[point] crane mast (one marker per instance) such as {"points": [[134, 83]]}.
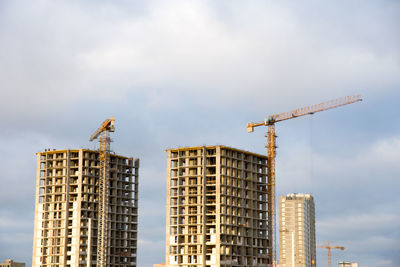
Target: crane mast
{"points": [[271, 154], [104, 158], [329, 247], [270, 121]]}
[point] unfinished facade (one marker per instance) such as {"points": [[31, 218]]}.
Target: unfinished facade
{"points": [[216, 207], [66, 209], [297, 231], [11, 263]]}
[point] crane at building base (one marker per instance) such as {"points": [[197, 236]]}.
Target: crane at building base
{"points": [[329, 247], [104, 158], [270, 121]]}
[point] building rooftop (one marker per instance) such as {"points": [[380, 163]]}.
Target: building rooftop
{"points": [[214, 146], [54, 151], [296, 195]]}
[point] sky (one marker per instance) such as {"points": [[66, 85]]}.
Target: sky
{"points": [[185, 73]]}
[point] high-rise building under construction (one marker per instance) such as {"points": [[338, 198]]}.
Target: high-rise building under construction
{"points": [[66, 211], [297, 230], [216, 207]]}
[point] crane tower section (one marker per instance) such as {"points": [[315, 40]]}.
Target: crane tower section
{"points": [[104, 158]]}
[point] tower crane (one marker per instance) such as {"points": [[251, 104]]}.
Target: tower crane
{"points": [[329, 247], [270, 121], [104, 157]]}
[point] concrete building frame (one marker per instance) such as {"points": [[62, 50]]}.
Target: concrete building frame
{"points": [[66, 209], [216, 212]]}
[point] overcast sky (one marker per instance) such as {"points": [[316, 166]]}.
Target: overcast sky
{"points": [[184, 73]]}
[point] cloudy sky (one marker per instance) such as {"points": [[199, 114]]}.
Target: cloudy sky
{"points": [[182, 73]]}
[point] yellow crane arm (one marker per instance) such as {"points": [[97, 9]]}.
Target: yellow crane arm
{"points": [[304, 111], [341, 248], [331, 247], [107, 125]]}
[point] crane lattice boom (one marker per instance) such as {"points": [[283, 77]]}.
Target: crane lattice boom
{"points": [[107, 125], [269, 120], [104, 158], [271, 155]]}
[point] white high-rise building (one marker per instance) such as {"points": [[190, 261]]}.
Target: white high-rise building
{"points": [[297, 231]]}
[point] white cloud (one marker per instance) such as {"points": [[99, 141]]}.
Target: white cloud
{"points": [[15, 238], [386, 152], [149, 243], [250, 53], [384, 263], [379, 158], [360, 223], [10, 223]]}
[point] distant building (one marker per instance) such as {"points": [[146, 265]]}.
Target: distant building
{"points": [[159, 265], [67, 205], [216, 207], [348, 264], [11, 263], [297, 230]]}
